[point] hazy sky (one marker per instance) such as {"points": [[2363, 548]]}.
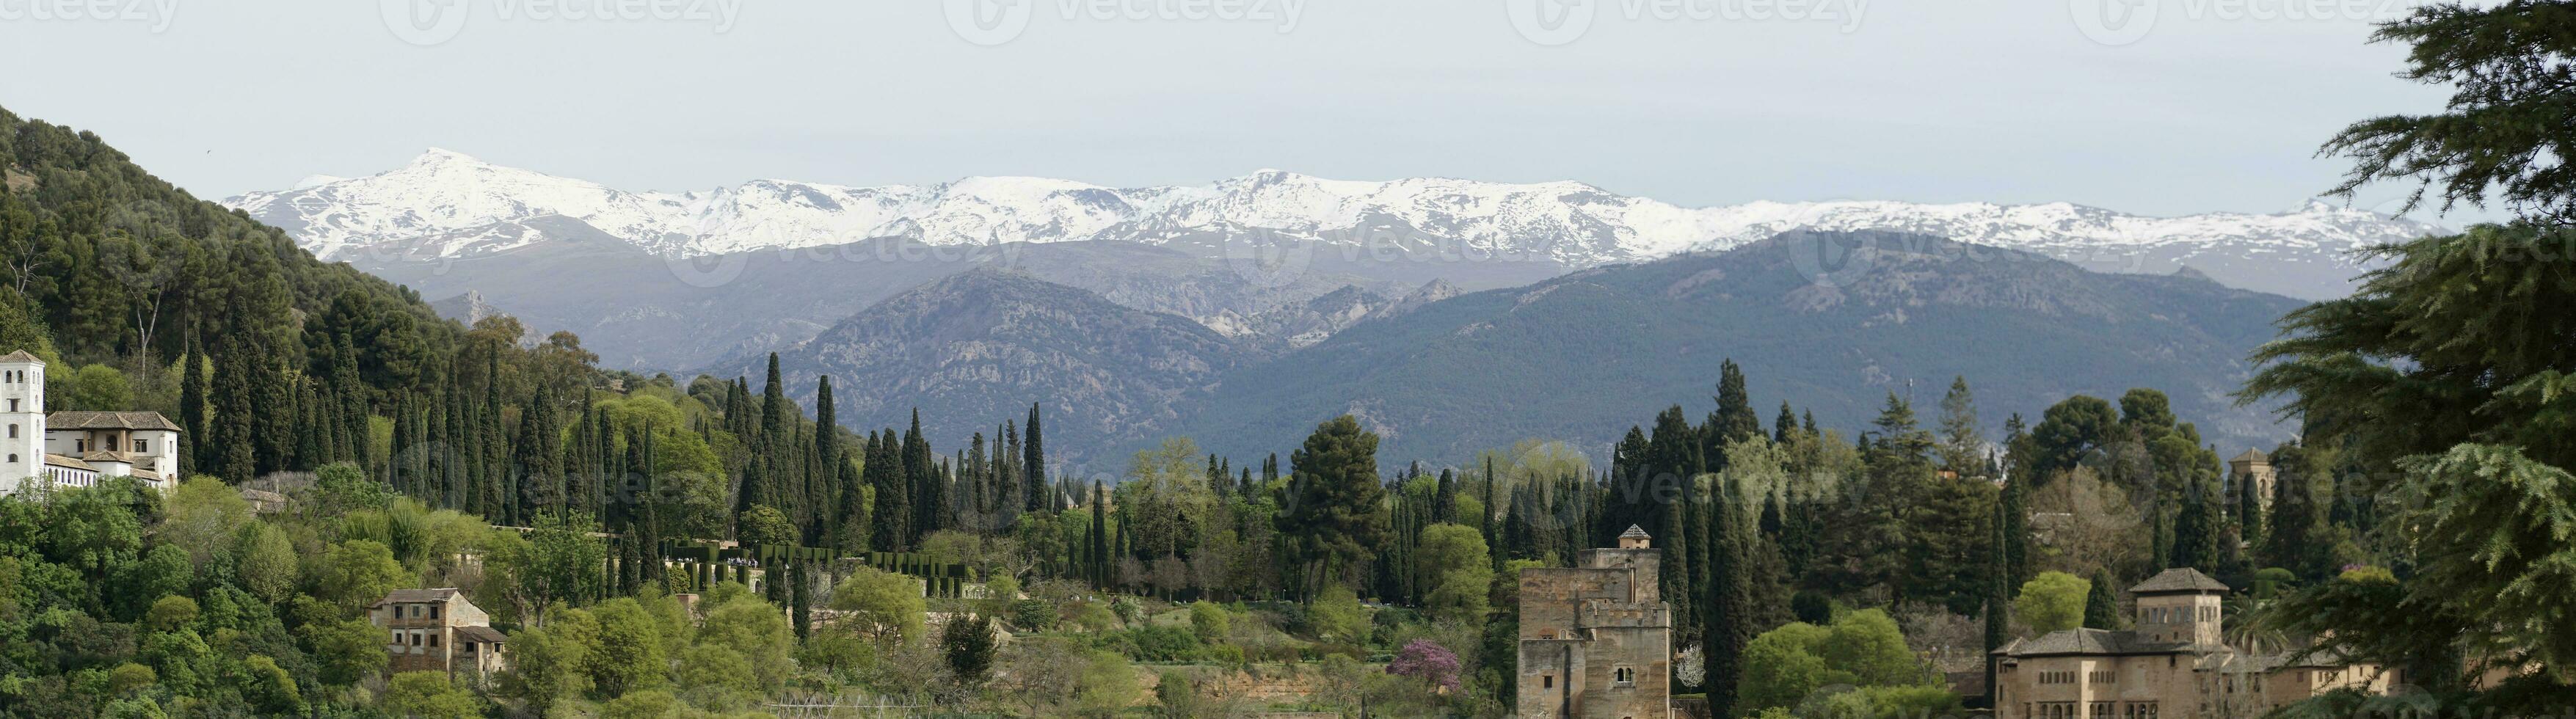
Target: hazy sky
{"points": [[2190, 106]]}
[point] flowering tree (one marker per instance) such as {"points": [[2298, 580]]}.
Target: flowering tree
{"points": [[1427, 661]]}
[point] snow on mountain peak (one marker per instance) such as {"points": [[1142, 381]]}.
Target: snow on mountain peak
{"points": [[452, 201]]}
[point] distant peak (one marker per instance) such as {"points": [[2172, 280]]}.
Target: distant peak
{"points": [[442, 156]]}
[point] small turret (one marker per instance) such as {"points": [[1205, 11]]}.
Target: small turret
{"points": [[1635, 538]]}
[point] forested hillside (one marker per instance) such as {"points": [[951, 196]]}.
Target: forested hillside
{"points": [[1573, 357]]}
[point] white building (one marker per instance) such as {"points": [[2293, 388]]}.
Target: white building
{"points": [[76, 448]]}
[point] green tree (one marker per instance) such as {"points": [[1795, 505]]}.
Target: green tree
{"points": [[426, 695], [2101, 607], [630, 653], [1209, 621], [355, 573], [757, 632], [881, 606], [1338, 616], [345, 651], [1453, 559], [2052, 601], [967, 642], [100, 388], [547, 663], [1339, 516], [2068, 432]]}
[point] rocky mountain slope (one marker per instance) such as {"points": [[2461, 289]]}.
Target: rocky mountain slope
{"points": [[448, 205]]}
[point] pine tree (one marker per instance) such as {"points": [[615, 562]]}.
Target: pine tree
{"points": [[1784, 424], [1734, 420], [1962, 448]]}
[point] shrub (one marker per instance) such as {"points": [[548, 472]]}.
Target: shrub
{"points": [[1034, 615], [1164, 644]]}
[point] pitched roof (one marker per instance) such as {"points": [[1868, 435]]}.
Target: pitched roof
{"points": [[1634, 532], [2252, 455], [109, 420], [472, 633], [2087, 641], [20, 356], [2183, 580], [415, 595], [71, 462]]}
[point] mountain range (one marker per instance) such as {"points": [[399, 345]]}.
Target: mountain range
{"points": [[1579, 357], [1449, 315], [445, 205]]}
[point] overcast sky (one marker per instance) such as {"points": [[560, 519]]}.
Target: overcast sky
{"points": [[2189, 106]]}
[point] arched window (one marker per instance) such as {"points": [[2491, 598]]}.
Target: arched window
{"points": [[13, 459]]}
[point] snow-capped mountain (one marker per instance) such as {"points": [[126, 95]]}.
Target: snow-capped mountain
{"points": [[447, 205]]}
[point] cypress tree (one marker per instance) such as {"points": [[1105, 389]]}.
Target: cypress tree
{"points": [[353, 401], [1100, 561], [1033, 462], [802, 612], [534, 457], [494, 485], [2101, 606], [192, 409], [2015, 505], [1725, 627], [1782, 425], [229, 442], [1998, 598], [930, 502], [824, 487]]}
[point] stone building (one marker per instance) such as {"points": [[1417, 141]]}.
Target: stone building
{"points": [[2253, 470], [2175, 662], [437, 630], [1597, 638]]}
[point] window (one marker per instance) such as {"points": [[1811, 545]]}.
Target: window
{"points": [[13, 405], [80, 445], [433, 611], [13, 431], [13, 459], [1624, 676], [139, 447], [433, 640], [1547, 681], [397, 637]]}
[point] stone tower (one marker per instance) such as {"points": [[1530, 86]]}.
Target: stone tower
{"points": [[1596, 638], [22, 419], [2179, 606], [2253, 470]]}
